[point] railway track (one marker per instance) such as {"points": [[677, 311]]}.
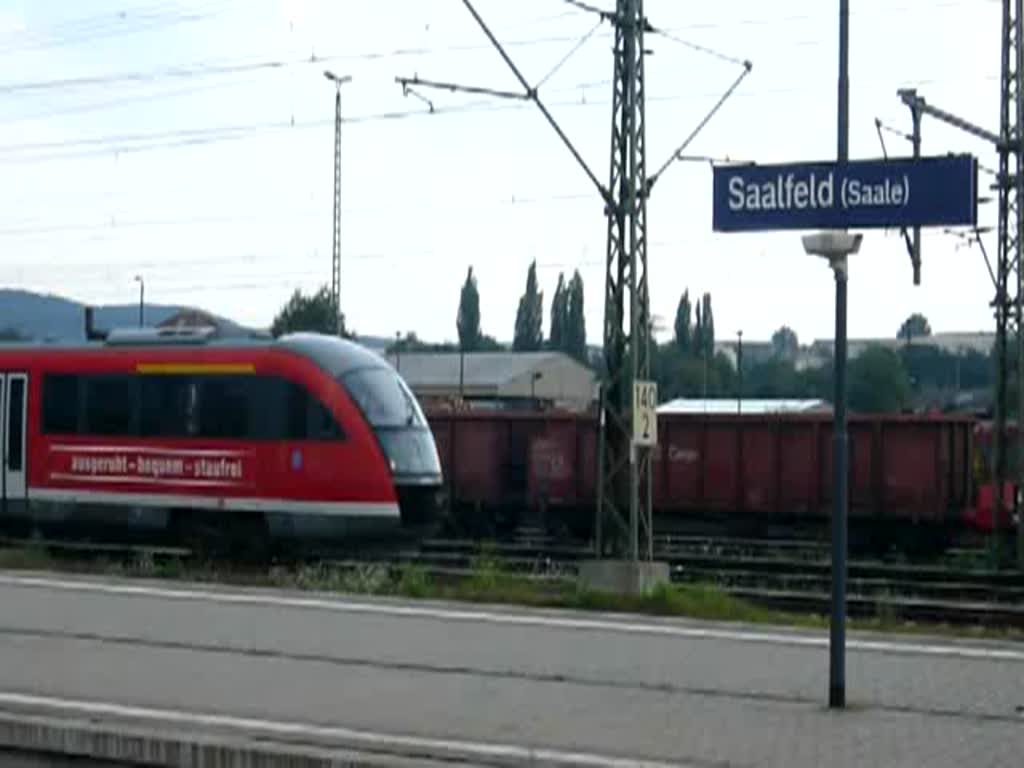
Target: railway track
{"points": [[790, 575]]}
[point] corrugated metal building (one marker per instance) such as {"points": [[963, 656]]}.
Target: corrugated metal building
{"points": [[222, 327], [751, 406], [499, 378]]}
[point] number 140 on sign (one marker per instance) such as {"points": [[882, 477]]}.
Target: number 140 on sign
{"points": [[645, 414]]}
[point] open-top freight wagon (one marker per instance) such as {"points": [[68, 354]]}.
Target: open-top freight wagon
{"points": [[910, 476]]}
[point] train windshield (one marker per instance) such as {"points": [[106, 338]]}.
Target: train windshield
{"points": [[397, 420], [384, 398]]}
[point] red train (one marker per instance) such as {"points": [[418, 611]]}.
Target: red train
{"points": [[907, 473], [243, 441]]}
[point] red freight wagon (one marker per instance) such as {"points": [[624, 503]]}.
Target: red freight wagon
{"points": [[903, 469]]}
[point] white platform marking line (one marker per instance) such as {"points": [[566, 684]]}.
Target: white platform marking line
{"points": [[254, 726], [512, 619]]}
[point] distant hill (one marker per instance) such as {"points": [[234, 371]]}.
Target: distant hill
{"points": [[55, 318]]}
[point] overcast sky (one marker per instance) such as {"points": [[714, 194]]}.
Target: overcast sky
{"points": [[216, 185]]}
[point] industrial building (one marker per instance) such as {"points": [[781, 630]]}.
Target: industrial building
{"points": [[725, 405], [222, 327], [550, 380]]}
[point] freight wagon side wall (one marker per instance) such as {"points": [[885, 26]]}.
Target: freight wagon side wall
{"points": [[901, 468], [773, 466]]}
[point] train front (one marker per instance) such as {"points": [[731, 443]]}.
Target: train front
{"points": [[391, 411], [405, 437]]}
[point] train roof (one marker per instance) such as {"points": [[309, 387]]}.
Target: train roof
{"points": [[336, 356]]}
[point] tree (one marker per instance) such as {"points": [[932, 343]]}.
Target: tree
{"points": [[468, 319], [915, 326], [529, 334], [878, 381], [680, 375], [12, 334], [559, 316], [576, 323], [412, 343], [773, 378], [697, 338], [708, 327], [785, 344], [683, 337], [314, 314]]}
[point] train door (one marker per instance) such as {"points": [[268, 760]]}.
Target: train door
{"points": [[13, 419]]}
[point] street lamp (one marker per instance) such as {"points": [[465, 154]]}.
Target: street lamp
{"points": [[336, 223], [534, 378], [142, 297], [836, 246]]}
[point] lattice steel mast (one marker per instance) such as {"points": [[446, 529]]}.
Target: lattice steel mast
{"points": [[624, 485], [1008, 277], [1011, 236], [336, 234], [624, 474]]}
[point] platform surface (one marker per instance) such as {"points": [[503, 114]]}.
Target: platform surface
{"points": [[494, 683]]}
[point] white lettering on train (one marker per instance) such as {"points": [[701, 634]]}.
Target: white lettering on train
{"points": [[126, 465]]}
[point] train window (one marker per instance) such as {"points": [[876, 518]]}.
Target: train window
{"points": [[110, 405], [295, 409], [169, 406], [226, 403], [322, 424], [383, 398], [60, 403], [15, 424], [307, 417]]}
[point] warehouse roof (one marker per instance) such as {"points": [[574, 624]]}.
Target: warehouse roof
{"points": [[729, 405], [480, 369]]}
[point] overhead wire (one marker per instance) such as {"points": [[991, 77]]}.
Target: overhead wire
{"points": [[213, 68], [186, 137], [29, 228], [90, 29]]}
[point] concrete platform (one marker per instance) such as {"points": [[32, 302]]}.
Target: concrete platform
{"points": [[28, 740], [219, 676]]}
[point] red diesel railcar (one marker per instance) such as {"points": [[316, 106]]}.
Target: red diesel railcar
{"points": [[306, 435], [754, 468]]}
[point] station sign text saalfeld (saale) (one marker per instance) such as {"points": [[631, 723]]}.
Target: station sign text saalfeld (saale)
{"points": [[927, 192]]}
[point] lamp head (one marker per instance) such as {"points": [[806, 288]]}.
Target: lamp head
{"points": [[832, 244]]}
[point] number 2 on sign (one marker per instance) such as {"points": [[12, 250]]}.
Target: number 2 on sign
{"points": [[645, 402]]}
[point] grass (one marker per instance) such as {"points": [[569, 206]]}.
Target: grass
{"points": [[487, 582]]}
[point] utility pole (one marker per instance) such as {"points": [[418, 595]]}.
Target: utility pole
{"points": [[625, 472], [840, 449], [624, 485], [1011, 230], [739, 371], [336, 235], [1007, 304]]}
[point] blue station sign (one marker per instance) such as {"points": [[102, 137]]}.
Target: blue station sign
{"points": [[927, 192]]}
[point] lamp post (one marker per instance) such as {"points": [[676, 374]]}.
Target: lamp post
{"points": [[836, 246], [398, 351], [534, 378], [462, 372], [336, 224], [739, 371], [142, 298]]}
